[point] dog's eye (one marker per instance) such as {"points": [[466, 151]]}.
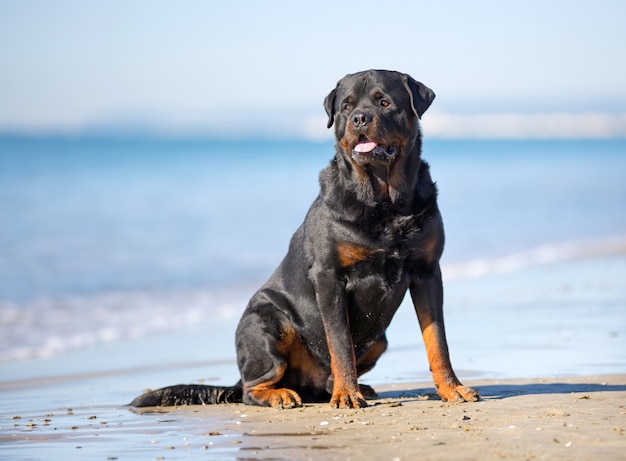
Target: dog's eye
{"points": [[347, 106], [384, 103]]}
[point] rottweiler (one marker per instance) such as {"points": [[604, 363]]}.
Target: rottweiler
{"points": [[373, 232]]}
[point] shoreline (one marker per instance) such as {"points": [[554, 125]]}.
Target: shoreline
{"points": [[576, 418]]}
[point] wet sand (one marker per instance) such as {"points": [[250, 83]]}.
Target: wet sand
{"points": [[582, 418]]}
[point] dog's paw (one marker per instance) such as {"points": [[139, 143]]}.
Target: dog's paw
{"points": [[277, 398], [347, 399], [457, 393], [368, 391]]}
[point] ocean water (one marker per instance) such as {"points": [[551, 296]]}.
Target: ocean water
{"points": [[103, 240]]}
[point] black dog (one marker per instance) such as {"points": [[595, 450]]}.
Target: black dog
{"points": [[373, 233]]}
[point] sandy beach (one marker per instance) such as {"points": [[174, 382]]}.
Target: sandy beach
{"points": [[582, 418]]}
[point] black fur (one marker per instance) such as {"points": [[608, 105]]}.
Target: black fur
{"points": [[190, 394]]}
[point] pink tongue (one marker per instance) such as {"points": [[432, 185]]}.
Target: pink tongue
{"points": [[365, 146]]}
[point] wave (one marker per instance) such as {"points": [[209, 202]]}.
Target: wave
{"points": [[541, 255], [53, 325]]}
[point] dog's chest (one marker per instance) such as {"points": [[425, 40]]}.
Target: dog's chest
{"points": [[386, 248]]}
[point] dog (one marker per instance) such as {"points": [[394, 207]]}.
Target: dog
{"points": [[373, 233]]}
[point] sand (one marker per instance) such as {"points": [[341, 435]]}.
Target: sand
{"points": [[582, 418]]}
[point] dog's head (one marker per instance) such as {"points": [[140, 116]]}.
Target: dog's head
{"points": [[375, 114]]}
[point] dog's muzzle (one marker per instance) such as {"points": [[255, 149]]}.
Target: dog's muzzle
{"points": [[367, 151]]}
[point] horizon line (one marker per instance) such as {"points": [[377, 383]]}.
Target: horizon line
{"points": [[437, 125]]}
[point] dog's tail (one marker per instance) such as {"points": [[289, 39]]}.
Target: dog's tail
{"points": [[190, 394]]}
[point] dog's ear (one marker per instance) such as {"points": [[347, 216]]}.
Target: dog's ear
{"points": [[421, 95], [329, 105]]}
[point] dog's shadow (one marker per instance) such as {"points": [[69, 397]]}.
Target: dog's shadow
{"points": [[503, 391]]}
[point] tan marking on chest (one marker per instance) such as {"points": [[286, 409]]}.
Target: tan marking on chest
{"points": [[349, 254]]}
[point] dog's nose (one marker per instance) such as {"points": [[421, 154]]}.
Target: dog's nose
{"points": [[361, 119]]}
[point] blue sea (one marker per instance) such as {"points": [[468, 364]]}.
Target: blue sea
{"points": [[108, 239]]}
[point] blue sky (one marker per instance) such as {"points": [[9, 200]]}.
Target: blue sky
{"points": [[189, 65]]}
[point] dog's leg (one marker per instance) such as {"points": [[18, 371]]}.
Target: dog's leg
{"points": [[263, 342], [427, 298], [345, 388]]}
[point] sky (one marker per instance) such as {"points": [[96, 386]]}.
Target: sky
{"points": [[191, 66]]}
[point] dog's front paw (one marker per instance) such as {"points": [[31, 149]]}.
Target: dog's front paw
{"points": [[347, 399], [457, 393]]}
